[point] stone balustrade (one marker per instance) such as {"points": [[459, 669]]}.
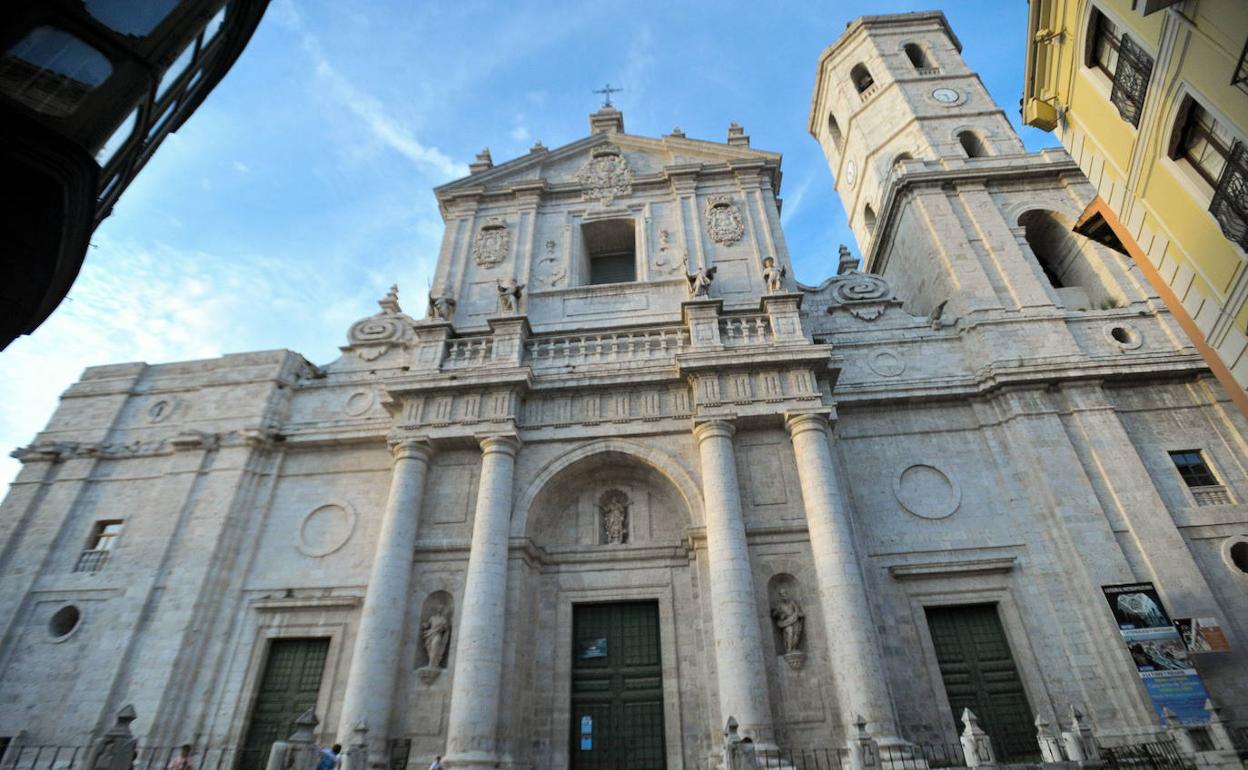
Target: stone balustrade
{"points": [[467, 352], [634, 346], [745, 330]]}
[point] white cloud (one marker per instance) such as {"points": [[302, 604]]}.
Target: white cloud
{"points": [[520, 133], [242, 167], [372, 112]]}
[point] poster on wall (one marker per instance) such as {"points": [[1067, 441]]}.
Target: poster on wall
{"points": [[1202, 634], [1159, 652]]}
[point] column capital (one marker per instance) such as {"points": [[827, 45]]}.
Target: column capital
{"points": [[800, 422], [714, 427], [508, 444], [411, 449]]}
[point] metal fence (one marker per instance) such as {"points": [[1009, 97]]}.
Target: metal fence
{"points": [[1156, 755], [146, 758], [920, 756], [801, 759]]}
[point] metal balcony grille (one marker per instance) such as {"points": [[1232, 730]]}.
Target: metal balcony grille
{"points": [[91, 561], [1135, 67], [1230, 199], [1240, 78]]}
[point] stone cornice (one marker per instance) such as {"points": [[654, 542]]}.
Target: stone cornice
{"points": [[1043, 163]]}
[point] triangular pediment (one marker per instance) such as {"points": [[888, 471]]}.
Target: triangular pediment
{"points": [[644, 156]]}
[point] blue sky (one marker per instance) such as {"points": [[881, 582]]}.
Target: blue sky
{"points": [[301, 189]]}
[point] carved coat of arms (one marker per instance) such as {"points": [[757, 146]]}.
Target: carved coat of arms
{"points": [[723, 220], [606, 176], [492, 244]]}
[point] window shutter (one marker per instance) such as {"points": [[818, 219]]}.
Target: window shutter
{"points": [[1135, 67], [1230, 200]]}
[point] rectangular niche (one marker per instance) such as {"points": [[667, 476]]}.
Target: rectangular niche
{"points": [[609, 247]]}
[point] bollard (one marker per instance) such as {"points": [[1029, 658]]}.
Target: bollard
{"points": [[357, 752], [731, 743], [1218, 731], [118, 748], [976, 744], [1182, 738], [1050, 747], [1083, 731], [864, 752]]}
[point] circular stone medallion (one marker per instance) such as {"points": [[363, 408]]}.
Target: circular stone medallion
{"points": [[886, 363], [851, 173], [927, 492], [326, 529], [358, 403], [946, 95]]}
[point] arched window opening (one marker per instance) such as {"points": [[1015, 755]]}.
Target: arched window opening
{"points": [[917, 56], [860, 76], [1075, 266], [834, 130], [972, 145], [868, 218]]}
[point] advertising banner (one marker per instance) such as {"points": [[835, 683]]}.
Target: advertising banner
{"points": [[1158, 651]]}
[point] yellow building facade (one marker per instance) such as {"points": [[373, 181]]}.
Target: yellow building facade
{"points": [[1151, 100]]}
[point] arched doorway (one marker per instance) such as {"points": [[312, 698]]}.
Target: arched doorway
{"points": [[608, 524]]}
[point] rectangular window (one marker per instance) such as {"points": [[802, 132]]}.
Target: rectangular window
{"points": [[1192, 468], [1204, 143], [1103, 53], [611, 251], [103, 540]]}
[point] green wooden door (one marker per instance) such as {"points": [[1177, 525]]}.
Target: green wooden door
{"points": [[617, 688], [288, 687], [979, 674]]}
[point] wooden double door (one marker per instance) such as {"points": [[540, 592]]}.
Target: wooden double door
{"points": [[617, 688], [289, 686], [979, 673]]}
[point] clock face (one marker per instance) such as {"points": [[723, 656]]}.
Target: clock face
{"points": [[851, 173], [946, 95]]}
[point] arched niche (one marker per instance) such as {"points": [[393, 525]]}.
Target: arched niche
{"points": [[917, 56], [860, 76], [784, 596], [972, 144], [834, 131], [868, 218], [1073, 264], [575, 503], [438, 603]]}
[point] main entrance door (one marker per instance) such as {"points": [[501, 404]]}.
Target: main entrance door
{"points": [[288, 687], [617, 687], [979, 674]]}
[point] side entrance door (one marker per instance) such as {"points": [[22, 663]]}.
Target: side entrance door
{"points": [[617, 688], [979, 673], [288, 687]]}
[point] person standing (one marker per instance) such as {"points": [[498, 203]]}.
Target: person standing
{"points": [[437, 763], [330, 757], [183, 760]]}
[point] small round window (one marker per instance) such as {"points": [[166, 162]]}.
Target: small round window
{"points": [[1237, 554], [64, 621]]}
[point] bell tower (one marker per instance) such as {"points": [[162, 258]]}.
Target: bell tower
{"points": [[942, 196]]}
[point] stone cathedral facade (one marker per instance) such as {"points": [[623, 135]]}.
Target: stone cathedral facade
{"points": [[624, 477]]}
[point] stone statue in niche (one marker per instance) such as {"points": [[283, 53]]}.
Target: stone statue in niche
{"points": [[509, 295], [700, 282], [435, 633], [613, 507], [441, 308], [773, 276], [789, 618]]}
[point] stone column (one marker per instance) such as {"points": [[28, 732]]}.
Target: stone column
{"points": [[851, 638], [379, 637], [743, 693], [477, 686]]}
